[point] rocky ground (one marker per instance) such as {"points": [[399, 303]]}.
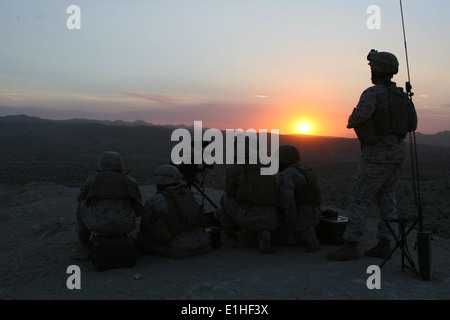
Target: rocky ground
{"points": [[37, 221]]}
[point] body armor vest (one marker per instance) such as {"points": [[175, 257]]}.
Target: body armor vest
{"points": [[309, 194], [184, 214], [257, 189], [109, 185], [396, 118]]}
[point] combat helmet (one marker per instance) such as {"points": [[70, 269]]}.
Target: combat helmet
{"points": [[110, 160], [288, 154], [166, 175], [383, 62]]}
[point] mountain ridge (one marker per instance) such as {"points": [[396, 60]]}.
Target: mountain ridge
{"points": [[440, 139]]}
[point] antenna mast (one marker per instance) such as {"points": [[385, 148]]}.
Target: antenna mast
{"points": [[408, 84], [423, 237]]}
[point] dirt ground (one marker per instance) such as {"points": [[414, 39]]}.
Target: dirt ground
{"points": [[38, 227]]}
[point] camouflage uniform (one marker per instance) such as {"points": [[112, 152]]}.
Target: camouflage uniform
{"points": [[154, 235], [297, 221], [243, 216], [114, 213], [382, 118], [379, 170]]}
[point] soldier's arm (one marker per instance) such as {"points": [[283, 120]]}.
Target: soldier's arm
{"points": [[137, 207], [287, 197], [144, 226], [136, 196], [154, 208], [413, 117], [84, 190], [364, 110]]}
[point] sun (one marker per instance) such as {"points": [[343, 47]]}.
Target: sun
{"points": [[304, 128]]}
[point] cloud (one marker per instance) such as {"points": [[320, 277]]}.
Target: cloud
{"points": [[160, 98], [166, 99], [432, 107], [437, 107], [13, 97], [423, 96], [114, 101], [258, 96]]}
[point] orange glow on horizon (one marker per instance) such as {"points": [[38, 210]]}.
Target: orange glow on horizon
{"points": [[303, 125], [321, 114]]}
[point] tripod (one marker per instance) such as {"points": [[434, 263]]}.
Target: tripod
{"points": [[401, 242], [205, 196], [190, 179], [191, 183]]}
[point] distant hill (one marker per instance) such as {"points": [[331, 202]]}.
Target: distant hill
{"points": [[440, 139], [22, 118], [64, 151], [137, 123]]}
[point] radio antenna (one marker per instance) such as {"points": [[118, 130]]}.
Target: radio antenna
{"points": [[408, 84], [423, 244]]}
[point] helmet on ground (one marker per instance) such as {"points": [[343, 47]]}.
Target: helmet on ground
{"points": [[167, 174], [289, 154], [384, 62]]}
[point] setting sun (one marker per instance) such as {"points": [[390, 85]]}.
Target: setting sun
{"points": [[304, 128], [302, 125]]}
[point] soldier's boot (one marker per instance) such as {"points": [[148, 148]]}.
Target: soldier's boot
{"points": [[381, 250], [310, 238], [83, 252], [349, 251], [264, 241]]}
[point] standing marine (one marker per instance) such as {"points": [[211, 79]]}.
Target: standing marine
{"points": [[381, 120]]}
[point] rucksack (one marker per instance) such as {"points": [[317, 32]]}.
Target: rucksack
{"points": [[309, 194], [257, 189], [184, 214]]}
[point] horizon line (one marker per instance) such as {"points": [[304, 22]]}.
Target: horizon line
{"points": [[189, 127]]}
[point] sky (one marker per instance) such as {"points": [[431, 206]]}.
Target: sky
{"points": [[260, 64]]}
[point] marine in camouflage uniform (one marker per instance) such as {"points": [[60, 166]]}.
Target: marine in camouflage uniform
{"points": [[249, 207], [253, 219], [172, 222], [108, 203], [381, 120], [300, 201]]}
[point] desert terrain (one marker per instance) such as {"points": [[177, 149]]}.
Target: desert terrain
{"points": [[43, 165]]}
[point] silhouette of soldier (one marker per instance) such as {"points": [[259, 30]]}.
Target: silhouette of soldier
{"points": [[109, 202], [300, 201], [172, 223], [381, 120], [248, 205]]}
